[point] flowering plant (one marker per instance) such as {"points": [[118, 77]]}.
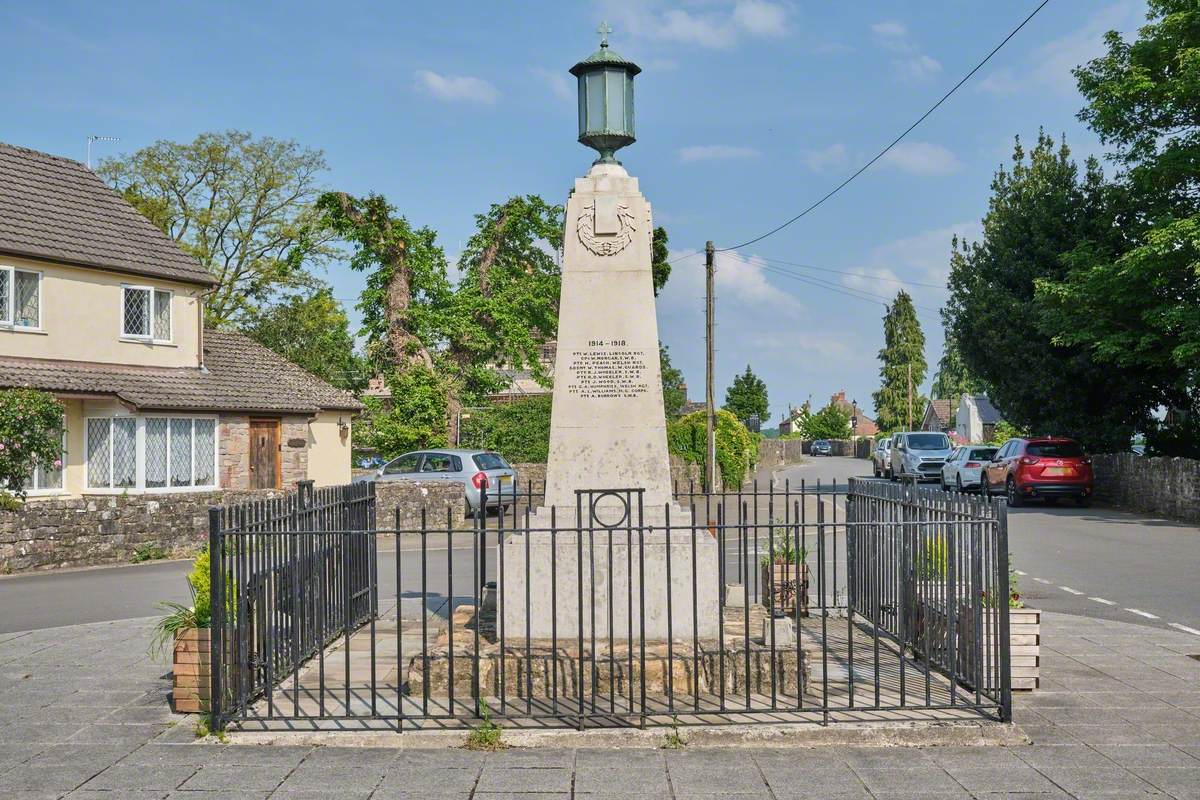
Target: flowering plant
{"points": [[31, 429]]}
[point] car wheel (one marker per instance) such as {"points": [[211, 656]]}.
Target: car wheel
{"points": [[1083, 502], [1014, 497], [958, 483], [875, 467], [942, 482], [985, 488]]}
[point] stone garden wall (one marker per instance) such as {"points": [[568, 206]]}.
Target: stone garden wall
{"points": [[780, 452], [108, 529], [1167, 487]]}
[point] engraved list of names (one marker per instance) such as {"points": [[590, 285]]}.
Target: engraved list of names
{"points": [[607, 369]]}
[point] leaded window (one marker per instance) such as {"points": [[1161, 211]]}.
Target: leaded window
{"points": [[146, 313], [181, 452], [156, 452], [20, 298]]}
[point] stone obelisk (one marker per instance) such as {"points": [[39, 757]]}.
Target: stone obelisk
{"points": [[608, 428]]}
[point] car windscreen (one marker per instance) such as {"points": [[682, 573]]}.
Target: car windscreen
{"points": [[821, 442], [1054, 450], [489, 461], [983, 453], [927, 441]]}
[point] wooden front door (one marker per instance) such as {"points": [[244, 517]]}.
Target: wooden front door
{"points": [[264, 454]]}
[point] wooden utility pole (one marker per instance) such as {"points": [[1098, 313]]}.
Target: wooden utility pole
{"points": [[710, 438], [910, 427]]}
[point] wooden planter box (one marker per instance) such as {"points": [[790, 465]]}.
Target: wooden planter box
{"points": [[782, 580], [1025, 640], [1024, 631], [192, 671]]}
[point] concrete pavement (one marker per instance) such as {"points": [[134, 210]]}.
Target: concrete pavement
{"points": [[85, 717]]}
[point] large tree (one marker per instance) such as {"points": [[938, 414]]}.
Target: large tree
{"points": [[311, 329], [241, 205], [660, 265], [953, 379], [1136, 308], [673, 385], [898, 403], [1040, 208], [747, 396]]}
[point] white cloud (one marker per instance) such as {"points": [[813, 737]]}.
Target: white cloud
{"points": [[834, 155], [909, 62], [918, 67], [715, 152], [925, 256], [557, 82], [455, 88], [889, 29], [760, 18], [871, 278], [718, 29], [1049, 65], [922, 158]]}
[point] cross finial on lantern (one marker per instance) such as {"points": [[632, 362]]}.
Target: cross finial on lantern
{"points": [[604, 31]]}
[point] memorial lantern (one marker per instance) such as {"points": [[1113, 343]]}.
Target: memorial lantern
{"points": [[605, 100]]}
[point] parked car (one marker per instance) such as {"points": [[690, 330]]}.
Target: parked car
{"points": [[881, 458], [821, 447], [1046, 468], [964, 467], [919, 454], [1138, 449], [476, 470]]}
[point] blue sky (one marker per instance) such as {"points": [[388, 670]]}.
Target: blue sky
{"points": [[747, 111]]}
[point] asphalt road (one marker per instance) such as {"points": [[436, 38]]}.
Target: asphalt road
{"points": [[1094, 562], [1091, 562]]}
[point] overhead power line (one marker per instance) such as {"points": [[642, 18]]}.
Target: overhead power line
{"points": [[899, 138], [849, 291], [852, 274]]}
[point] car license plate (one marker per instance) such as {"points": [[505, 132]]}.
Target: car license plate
{"points": [[1058, 471], [505, 479]]}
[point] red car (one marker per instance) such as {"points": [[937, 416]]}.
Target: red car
{"points": [[1043, 467]]}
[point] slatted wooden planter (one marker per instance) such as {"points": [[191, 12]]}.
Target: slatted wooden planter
{"points": [[1025, 641], [782, 579], [192, 668]]}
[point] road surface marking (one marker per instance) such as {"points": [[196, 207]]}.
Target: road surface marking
{"points": [[1102, 600], [1041, 580], [1018, 572], [1141, 613], [1184, 628], [1069, 590]]}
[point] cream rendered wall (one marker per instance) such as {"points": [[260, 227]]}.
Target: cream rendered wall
{"points": [[74, 455], [81, 319], [329, 449]]}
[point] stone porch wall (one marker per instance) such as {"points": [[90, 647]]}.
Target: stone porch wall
{"points": [[234, 450], [1166, 487]]}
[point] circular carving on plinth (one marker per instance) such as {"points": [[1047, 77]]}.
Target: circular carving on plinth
{"points": [[609, 516]]}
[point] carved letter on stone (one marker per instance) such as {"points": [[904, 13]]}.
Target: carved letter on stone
{"points": [[606, 226]]}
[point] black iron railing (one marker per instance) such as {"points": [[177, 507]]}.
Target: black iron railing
{"points": [[810, 602]]}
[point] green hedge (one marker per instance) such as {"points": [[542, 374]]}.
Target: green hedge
{"points": [[737, 450], [519, 431]]}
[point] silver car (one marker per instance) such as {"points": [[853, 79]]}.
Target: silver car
{"points": [[476, 470], [920, 455], [963, 468], [881, 458]]}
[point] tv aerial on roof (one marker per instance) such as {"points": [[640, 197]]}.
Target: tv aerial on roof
{"points": [[94, 138]]}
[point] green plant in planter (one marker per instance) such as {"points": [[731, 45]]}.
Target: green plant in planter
{"points": [[1014, 597], [934, 561], [183, 618], [783, 550]]}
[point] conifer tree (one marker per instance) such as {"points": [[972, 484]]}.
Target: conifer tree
{"points": [[903, 349]]}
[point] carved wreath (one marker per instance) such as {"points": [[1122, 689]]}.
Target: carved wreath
{"points": [[606, 245]]}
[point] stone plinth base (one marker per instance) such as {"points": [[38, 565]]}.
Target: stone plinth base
{"points": [[553, 583]]}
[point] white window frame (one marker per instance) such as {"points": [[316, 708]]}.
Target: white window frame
{"points": [[33, 490], [9, 312], [139, 486], [152, 308]]}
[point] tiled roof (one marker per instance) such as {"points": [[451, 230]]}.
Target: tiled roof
{"points": [[57, 209], [988, 413], [239, 375], [942, 409]]}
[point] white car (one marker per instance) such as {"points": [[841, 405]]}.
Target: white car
{"points": [[963, 468]]}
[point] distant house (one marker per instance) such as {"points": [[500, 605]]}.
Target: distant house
{"points": [[862, 424], [976, 418], [102, 309], [939, 416]]}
